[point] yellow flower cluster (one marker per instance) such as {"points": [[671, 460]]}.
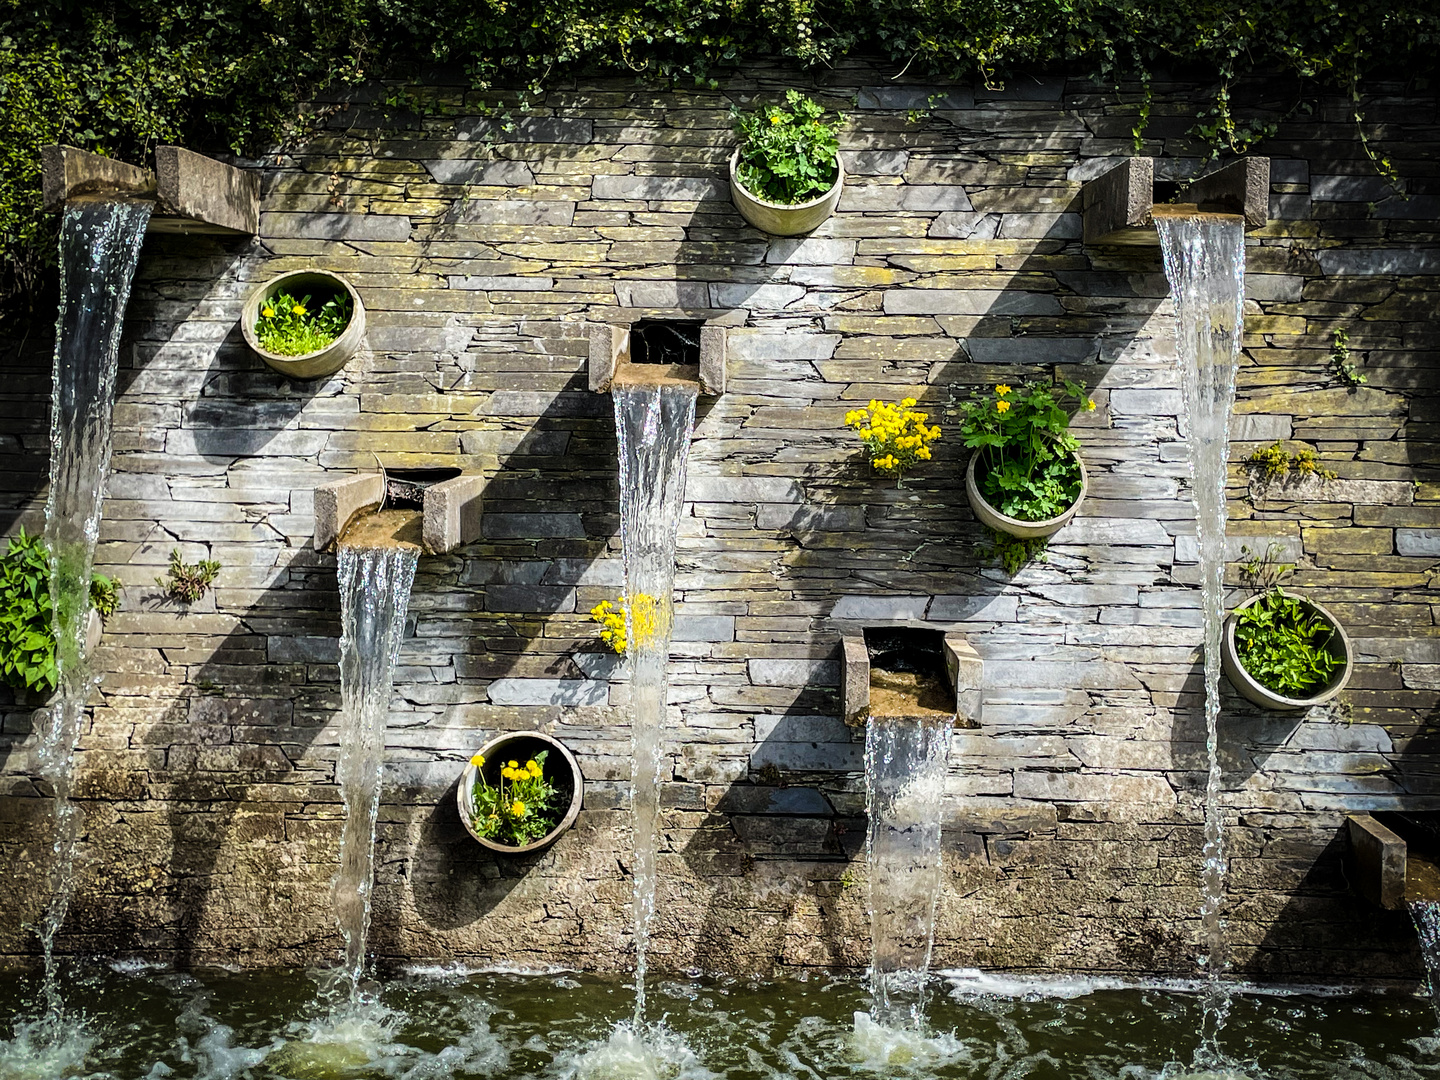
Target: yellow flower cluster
{"points": [[611, 617], [515, 771], [478, 760], [895, 435]]}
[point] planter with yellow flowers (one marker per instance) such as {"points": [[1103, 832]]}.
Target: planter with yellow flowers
{"points": [[520, 792], [304, 324], [1026, 478], [895, 437]]}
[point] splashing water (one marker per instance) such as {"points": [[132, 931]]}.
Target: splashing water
{"points": [[99, 250], [374, 594], [905, 761], [1425, 914], [1205, 264], [653, 424]]}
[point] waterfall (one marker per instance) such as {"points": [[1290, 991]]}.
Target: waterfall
{"points": [[99, 249], [905, 763], [1205, 263], [653, 424], [374, 593], [1425, 914]]}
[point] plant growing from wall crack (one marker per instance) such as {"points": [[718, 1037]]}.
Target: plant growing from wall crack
{"points": [[188, 582]]}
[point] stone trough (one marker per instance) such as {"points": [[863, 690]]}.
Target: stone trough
{"points": [[1119, 204], [449, 509], [962, 663]]}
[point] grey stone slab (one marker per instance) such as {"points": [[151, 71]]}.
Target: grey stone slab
{"points": [[703, 627], [393, 227], [219, 197], [567, 403], [506, 572], [809, 756], [556, 212], [511, 691], [794, 672], [1285, 548], [1290, 207], [663, 294], [607, 665], [934, 197], [1125, 401], [786, 801], [1417, 541], [810, 518], [801, 729], [913, 98], [1365, 262], [962, 225], [869, 608], [488, 283], [482, 171], [1032, 350], [301, 649], [532, 526], [972, 302], [452, 513], [1115, 531], [810, 251], [1040, 226], [974, 608], [755, 297], [1289, 171], [1257, 427], [540, 129], [875, 162], [1283, 287], [747, 344], [528, 598], [659, 188], [585, 572], [1415, 208], [742, 489], [1334, 188], [1087, 595]]}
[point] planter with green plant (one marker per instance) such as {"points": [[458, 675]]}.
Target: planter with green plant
{"points": [[520, 792], [1283, 651], [1026, 478], [304, 324], [786, 174]]}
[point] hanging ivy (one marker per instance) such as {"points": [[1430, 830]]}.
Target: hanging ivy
{"points": [[118, 77]]}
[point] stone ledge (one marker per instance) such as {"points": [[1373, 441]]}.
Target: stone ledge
{"points": [[1379, 856]]}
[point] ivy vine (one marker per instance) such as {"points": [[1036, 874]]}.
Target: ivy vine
{"points": [[119, 77]]}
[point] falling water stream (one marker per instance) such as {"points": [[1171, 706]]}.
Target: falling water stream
{"points": [[99, 249], [653, 424], [1205, 263], [374, 594]]}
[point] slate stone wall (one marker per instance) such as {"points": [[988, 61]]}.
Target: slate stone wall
{"points": [[484, 244]]}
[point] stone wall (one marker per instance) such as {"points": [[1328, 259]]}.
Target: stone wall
{"points": [[484, 244]]}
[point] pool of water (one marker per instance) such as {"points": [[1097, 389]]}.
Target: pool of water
{"points": [[138, 1023]]}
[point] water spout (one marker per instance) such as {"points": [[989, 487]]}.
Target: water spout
{"points": [[374, 595], [1205, 263], [99, 250], [653, 423]]}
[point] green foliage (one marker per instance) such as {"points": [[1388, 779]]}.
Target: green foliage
{"points": [[1284, 644], [1261, 571], [1027, 467], [119, 77], [27, 620], [187, 582], [787, 155], [1273, 463], [290, 327], [1346, 370], [518, 809], [1013, 552]]}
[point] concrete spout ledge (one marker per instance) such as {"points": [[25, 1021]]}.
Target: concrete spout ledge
{"points": [[192, 193], [451, 510], [966, 670], [1119, 204], [1377, 857], [610, 357]]}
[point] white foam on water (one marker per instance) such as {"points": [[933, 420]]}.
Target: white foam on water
{"points": [[634, 1052], [883, 1048], [135, 965], [970, 982], [353, 1034], [45, 1050]]}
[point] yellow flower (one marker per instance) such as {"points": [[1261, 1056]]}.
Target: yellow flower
{"points": [[1002, 406], [513, 764], [298, 309], [535, 769], [517, 808], [268, 312], [478, 761], [1002, 389], [907, 403], [1089, 404]]}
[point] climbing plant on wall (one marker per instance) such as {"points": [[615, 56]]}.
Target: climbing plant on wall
{"points": [[116, 78]]}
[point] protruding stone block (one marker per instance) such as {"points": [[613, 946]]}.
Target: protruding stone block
{"points": [[67, 172], [967, 673], [966, 669], [608, 344], [712, 360], [452, 513], [1119, 205], [339, 502], [1242, 187], [855, 678], [1378, 856], [204, 195]]}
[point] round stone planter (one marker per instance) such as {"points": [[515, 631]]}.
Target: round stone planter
{"points": [[324, 361], [1022, 530], [1252, 690], [561, 770], [781, 219]]}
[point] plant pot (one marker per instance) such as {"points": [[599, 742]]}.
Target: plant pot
{"points": [[781, 219], [324, 361], [560, 768], [1023, 530], [1252, 690]]}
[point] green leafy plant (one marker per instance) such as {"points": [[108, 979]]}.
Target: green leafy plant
{"points": [[1027, 468], [787, 155], [1273, 463], [519, 809], [1283, 643], [1262, 570], [1013, 552], [288, 326], [27, 626], [188, 582], [1346, 369], [895, 436]]}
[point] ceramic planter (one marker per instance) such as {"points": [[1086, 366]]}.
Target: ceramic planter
{"points": [[324, 361], [780, 219], [1252, 690], [1023, 530], [561, 770]]}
